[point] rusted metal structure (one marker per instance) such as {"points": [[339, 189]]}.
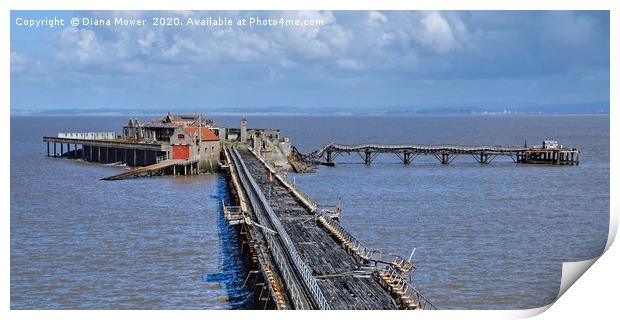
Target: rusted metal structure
{"points": [[307, 260], [550, 153]]}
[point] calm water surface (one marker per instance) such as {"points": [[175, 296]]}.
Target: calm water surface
{"points": [[485, 236]]}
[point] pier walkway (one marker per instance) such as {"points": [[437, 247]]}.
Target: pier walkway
{"points": [[445, 154], [308, 259]]}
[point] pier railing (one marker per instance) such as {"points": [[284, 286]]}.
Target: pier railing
{"points": [[161, 158], [303, 194], [88, 135], [300, 194], [355, 247], [408, 296]]}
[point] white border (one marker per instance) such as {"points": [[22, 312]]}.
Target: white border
{"points": [[595, 295]]}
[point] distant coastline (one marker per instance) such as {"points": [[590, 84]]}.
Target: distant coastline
{"points": [[593, 108]]}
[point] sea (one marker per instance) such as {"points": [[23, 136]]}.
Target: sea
{"points": [[483, 236]]}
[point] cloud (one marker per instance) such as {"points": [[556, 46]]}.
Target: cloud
{"points": [[375, 50], [18, 61], [350, 64], [424, 43], [440, 34], [80, 45], [568, 29]]}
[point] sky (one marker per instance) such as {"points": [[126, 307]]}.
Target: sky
{"points": [[354, 59]]}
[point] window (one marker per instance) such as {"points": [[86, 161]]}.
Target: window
{"points": [[181, 136]]}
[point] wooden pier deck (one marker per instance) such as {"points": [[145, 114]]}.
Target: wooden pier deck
{"points": [[319, 264]]}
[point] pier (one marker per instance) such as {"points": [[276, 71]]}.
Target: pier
{"points": [[106, 151], [300, 256], [549, 153], [305, 258]]}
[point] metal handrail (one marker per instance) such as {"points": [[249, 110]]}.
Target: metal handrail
{"points": [[304, 195], [309, 202], [406, 290], [301, 267], [161, 158], [362, 251], [274, 245]]}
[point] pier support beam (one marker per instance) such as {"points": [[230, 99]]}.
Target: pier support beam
{"points": [[368, 156], [330, 157], [62, 149], [445, 158], [135, 158], [54, 149], [483, 158], [407, 158], [48, 149]]}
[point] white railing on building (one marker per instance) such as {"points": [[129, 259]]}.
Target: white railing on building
{"points": [[88, 135]]}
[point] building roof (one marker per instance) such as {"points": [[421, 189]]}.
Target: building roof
{"points": [[206, 134], [186, 120], [159, 124]]}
